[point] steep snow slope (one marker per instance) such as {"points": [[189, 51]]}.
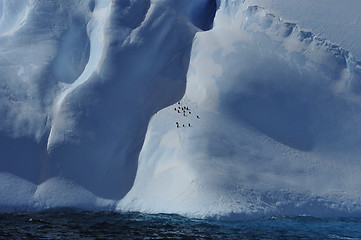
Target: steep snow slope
{"points": [[278, 131]]}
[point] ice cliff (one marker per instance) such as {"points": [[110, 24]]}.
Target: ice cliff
{"points": [[200, 107]]}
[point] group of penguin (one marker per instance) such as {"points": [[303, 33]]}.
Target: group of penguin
{"points": [[185, 111]]}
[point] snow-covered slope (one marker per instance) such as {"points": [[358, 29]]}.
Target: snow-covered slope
{"points": [[252, 116]]}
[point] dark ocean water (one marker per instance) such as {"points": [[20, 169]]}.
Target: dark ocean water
{"points": [[107, 225]]}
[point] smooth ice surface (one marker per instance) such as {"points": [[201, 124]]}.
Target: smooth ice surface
{"points": [[90, 92]]}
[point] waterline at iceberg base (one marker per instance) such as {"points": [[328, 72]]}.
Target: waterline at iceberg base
{"points": [[201, 108]]}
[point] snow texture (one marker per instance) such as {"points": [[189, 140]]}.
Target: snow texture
{"points": [[338, 21], [199, 107]]}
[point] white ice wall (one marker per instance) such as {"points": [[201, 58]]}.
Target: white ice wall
{"points": [[79, 83]]}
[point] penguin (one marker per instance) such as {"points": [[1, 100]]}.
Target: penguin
{"points": [[183, 125], [189, 112], [189, 124], [197, 116]]}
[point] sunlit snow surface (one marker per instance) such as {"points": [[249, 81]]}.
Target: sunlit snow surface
{"points": [[270, 121]]}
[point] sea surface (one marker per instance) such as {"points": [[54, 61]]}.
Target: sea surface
{"points": [[70, 224]]}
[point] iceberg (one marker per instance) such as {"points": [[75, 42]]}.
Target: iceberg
{"points": [[227, 108]]}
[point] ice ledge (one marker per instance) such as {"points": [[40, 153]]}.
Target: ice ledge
{"points": [[334, 20], [254, 18]]}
